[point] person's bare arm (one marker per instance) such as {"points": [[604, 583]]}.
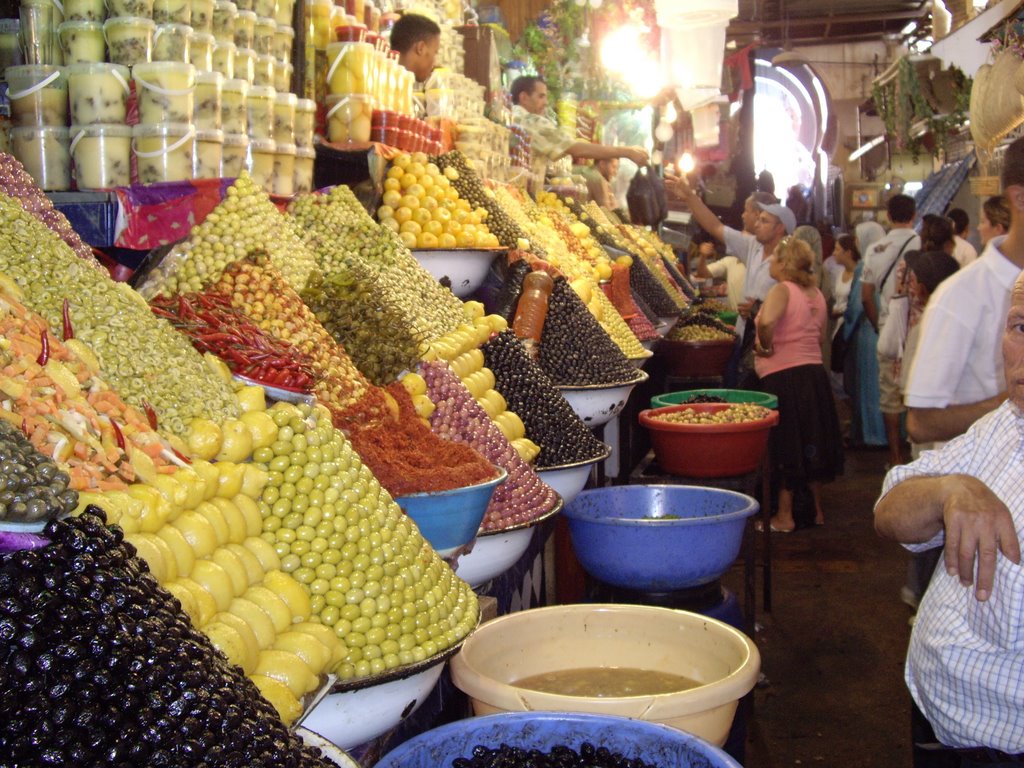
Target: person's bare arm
{"points": [[774, 307], [680, 187], [867, 297], [604, 152], [928, 425], [978, 526]]}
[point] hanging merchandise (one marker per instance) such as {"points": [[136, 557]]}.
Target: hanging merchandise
{"points": [[646, 198]]}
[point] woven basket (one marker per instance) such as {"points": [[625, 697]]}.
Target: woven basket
{"points": [[985, 186], [997, 107]]}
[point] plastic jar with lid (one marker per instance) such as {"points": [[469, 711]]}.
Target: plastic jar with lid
{"points": [[349, 117], [85, 10], [245, 5], [318, 13], [163, 152], [208, 101], [284, 12], [261, 162], [224, 55], [245, 29], [264, 31], [234, 155], [349, 67], [304, 157], [305, 122], [284, 42], [101, 155], [165, 91], [97, 93], [264, 71], [207, 154], [283, 75], [129, 39], [284, 118], [38, 95], [202, 16], [284, 169], [233, 107], [265, 8], [172, 42], [82, 42], [172, 11], [259, 106], [140, 8], [43, 150], [10, 44], [201, 51], [245, 65], [225, 13], [406, 86]]}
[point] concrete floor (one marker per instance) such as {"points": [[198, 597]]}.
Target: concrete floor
{"points": [[833, 646]]}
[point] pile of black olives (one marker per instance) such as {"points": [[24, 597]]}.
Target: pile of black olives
{"points": [[561, 756], [32, 488], [549, 420], [654, 294], [574, 349], [101, 667]]}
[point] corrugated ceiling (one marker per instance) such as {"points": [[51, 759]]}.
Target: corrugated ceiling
{"points": [[816, 22]]}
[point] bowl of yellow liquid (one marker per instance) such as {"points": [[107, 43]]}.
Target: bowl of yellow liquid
{"points": [[677, 668]]}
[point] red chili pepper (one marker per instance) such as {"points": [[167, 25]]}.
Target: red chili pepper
{"points": [[118, 435], [69, 331], [160, 312], [181, 456], [150, 414], [44, 355], [24, 427]]}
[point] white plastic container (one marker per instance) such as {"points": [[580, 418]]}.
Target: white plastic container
{"points": [[224, 14], [284, 42], [318, 15], [263, 38], [305, 123], [208, 101], [224, 54], [201, 51], [245, 65], [284, 118], [172, 11], [129, 39], [349, 118], [82, 42], [163, 152], [139, 8], [351, 68], [304, 157], [101, 155], [259, 109], [285, 9], [265, 7], [202, 16], [283, 76], [266, 67], [284, 170], [43, 150], [98, 93], [172, 42], [38, 94], [235, 155], [207, 155], [261, 162], [85, 10], [245, 29], [166, 92], [233, 107]]}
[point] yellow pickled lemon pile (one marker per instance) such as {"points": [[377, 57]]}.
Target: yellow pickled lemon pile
{"points": [[426, 211]]}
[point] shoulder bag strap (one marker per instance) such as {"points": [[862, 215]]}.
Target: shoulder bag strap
{"points": [[895, 261]]}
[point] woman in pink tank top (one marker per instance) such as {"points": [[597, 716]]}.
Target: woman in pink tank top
{"points": [[806, 445]]}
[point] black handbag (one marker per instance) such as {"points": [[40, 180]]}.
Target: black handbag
{"points": [[648, 203]]}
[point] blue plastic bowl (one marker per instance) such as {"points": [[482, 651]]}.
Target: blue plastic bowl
{"points": [[657, 538], [450, 519], [654, 743]]}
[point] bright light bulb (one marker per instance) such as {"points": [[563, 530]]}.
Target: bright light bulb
{"points": [[619, 47], [663, 132], [670, 112], [686, 163], [656, 157]]}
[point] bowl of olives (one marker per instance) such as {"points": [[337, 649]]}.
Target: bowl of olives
{"points": [[709, 439], [506, 739], [597, 404], [464, 268]]}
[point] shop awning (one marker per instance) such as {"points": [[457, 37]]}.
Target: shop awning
{"points": [[939, 188]]}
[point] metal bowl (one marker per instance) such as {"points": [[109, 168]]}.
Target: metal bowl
{"points": [[569, 479], [597, 404], [466, 268], [494, 552]]}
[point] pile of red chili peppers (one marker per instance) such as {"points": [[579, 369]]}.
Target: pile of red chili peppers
{"points": [[216, 327]]}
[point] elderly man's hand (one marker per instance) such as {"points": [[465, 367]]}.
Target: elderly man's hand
{"points": [[978, 527]]}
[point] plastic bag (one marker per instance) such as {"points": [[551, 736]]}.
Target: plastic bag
{"points": [[648, 204]]}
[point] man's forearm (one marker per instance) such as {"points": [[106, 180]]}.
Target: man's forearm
{"points": [[592, 151], [928, 425], [912, 512]]}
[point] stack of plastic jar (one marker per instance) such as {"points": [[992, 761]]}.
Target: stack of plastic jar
{"points": [[38, 95]]}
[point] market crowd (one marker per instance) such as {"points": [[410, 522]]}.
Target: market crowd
{"points": [[919, 341]]}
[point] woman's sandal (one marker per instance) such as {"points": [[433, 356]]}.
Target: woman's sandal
{"points": [[759, 527]]}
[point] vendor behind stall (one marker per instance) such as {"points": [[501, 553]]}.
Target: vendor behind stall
{"points": [[547, 141], [417, 40]]}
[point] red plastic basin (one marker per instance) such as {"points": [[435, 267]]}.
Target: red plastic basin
{"points": [[695, 359], [707, 450]]}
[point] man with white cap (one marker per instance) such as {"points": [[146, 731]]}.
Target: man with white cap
{"points": [[773, 223]]}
